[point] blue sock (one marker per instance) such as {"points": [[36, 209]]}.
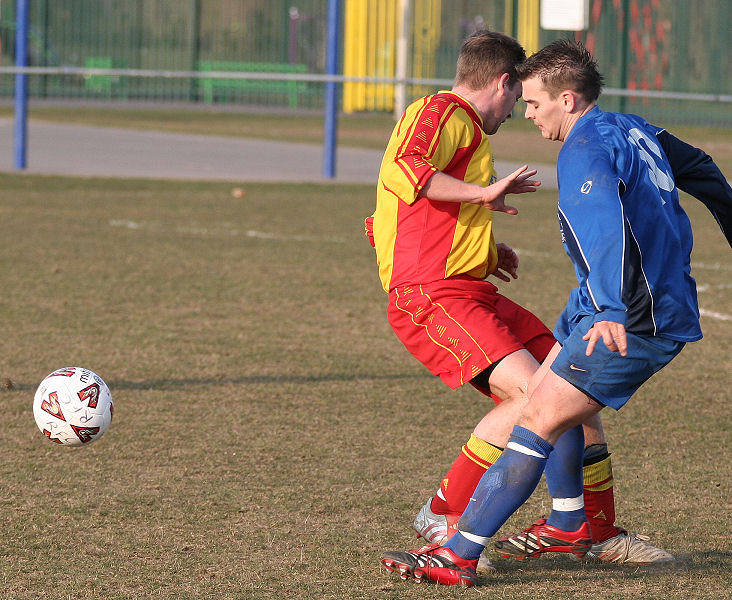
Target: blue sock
{"points": [[564, 479], [502, 489], [464, 547]]}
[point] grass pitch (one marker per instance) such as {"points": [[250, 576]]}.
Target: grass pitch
{"points": [[271, 436]]}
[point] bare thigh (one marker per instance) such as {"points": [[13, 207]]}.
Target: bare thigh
{"points": [[594, 432]]}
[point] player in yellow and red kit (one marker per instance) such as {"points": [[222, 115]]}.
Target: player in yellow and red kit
{"points": [[433, 235]]}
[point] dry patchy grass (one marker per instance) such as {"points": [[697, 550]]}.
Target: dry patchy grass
{"points": [[271, 436]]}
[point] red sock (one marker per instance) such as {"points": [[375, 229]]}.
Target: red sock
{"points": [[462, 478], [599, 499]]}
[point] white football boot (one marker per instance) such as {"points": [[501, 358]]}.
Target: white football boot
{"points": [[437, 529], [627, 549]]}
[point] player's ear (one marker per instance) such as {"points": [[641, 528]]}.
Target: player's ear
{"points": [[568, 100], [502, 84]]}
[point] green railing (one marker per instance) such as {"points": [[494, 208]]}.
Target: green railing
{"points": [[668, 46]]}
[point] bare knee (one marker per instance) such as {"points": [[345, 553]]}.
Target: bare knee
{"points": [[556, 406], [509, 378]]}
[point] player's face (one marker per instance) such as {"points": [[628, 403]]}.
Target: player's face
{"points": [[547, 114], [503, 107]]}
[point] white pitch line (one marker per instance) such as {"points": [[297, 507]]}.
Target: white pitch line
{"points": [[711, 266], [714, 315], [705, 287], [304, 238], [522, 252], [125, 223], [205, 231]]}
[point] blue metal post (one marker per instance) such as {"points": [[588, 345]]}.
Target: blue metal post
{"points": [[21, 84], [331, 89]]}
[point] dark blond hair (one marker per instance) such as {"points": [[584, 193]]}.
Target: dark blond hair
{"points": [[564, 65], [486, 55]]}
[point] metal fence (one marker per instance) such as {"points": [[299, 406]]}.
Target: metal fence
{"points": [[661, 48]]}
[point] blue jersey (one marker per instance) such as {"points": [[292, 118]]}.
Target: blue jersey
{"points": [[624, 230]]}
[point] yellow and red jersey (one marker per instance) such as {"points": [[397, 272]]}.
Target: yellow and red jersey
{"points": [[419, 240]]}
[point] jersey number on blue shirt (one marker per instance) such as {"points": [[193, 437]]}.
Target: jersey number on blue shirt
{"points": [[659, 176]]}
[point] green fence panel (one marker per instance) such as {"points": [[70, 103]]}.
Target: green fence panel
{"points": [[654, 45], [662, 46]]}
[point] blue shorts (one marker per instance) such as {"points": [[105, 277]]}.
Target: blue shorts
{"points": [[606, 376]]}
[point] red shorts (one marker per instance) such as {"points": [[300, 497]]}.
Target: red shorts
{"points": [[460, 327]]}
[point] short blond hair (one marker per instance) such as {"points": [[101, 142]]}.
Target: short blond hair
{"points": [[486, 55]]}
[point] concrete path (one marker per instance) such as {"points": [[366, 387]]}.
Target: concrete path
{"points": [[61, 149]]}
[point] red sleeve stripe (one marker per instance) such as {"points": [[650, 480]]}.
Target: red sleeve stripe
{"points": [[458, 166], [413, 124], [420, 142]]}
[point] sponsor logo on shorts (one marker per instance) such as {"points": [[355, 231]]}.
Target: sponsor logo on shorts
{"points": [[577, 368]]}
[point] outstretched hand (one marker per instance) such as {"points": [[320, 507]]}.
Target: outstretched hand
{"points": [[612, 335], [517, 182]]}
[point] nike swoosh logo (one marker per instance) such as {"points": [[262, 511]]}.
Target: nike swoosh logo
{"points": [[577, 369]]}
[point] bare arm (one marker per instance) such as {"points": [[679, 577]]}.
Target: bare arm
{"points": [[446, 188]]}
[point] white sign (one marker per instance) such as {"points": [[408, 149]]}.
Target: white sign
{"points": [[568, 15]]}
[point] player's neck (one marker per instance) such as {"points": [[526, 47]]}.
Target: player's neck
{"points": [[572, 119], [481, 100], [471, 96]]}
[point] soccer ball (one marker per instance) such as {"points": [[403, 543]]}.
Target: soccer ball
{"points": [[73, 406]]}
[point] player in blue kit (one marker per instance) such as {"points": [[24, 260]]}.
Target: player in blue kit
{"points": [[633, 311]]}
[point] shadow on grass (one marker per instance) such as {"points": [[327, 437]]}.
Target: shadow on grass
{"points": [[522, 572], [168, 384]]}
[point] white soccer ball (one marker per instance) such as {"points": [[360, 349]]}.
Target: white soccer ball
{"points": [[73, 406]]}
